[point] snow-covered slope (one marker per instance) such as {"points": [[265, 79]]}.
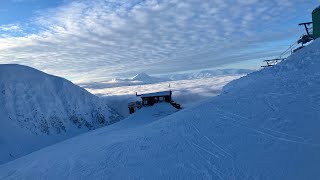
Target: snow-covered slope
{"points": [[37, 109], [263, 126]]}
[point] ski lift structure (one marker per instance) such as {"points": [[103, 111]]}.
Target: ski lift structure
{"points": [[303, 40], [272, 62], [312, 32]]}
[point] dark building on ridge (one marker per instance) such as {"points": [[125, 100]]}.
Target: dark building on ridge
{"points": [[151, 98]]}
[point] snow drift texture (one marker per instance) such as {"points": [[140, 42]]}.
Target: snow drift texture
{"points": [[263, 126], [37, 109]]}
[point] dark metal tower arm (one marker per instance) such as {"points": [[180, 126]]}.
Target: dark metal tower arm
{"points": [[305, 26]]}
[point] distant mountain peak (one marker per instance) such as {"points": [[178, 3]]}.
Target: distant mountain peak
{"points": [[141, 77]]}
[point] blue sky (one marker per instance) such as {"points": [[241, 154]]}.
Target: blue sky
{"points": [[93, 40], [15, 11]]}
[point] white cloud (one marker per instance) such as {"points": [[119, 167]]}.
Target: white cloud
{"points": [[94, 40], [10, 27]]}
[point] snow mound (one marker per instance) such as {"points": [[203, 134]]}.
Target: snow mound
{"points": [[263, 126], [146, 115], [37, 109]]}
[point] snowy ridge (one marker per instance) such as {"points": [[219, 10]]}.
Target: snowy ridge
{"points": [[208, 74], [142, 77], [37, 109], [263, 126], [139, 79]]}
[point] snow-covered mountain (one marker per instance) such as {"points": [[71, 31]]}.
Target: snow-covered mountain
{"points": [[139, 79], [207, 74], [263, 126], [38, 109], [146, 79], [142, 77]]}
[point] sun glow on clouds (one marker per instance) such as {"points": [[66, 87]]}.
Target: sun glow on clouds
{"points": [[95, 40]]}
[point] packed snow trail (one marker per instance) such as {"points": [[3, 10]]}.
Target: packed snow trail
{"points": [[263, 126]]}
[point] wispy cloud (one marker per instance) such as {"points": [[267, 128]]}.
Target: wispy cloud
{"points": [[94, 40], [10, 27]]}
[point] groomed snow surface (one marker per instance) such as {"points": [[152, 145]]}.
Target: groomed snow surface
{"points": [[263, 126]]}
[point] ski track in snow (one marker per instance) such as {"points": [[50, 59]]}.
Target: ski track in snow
{"points": [[231, 118], [217, 146]]}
